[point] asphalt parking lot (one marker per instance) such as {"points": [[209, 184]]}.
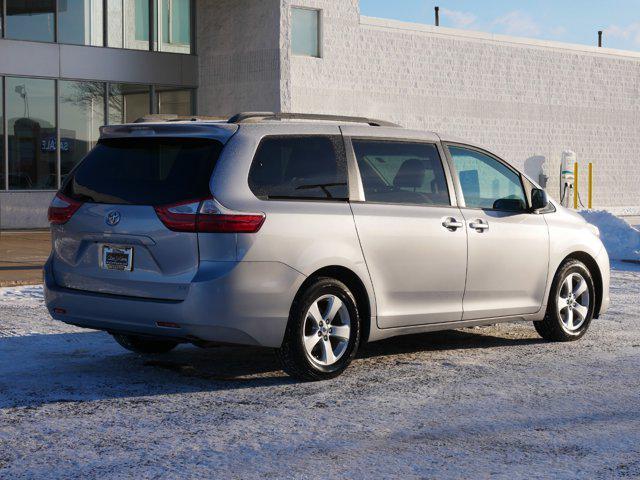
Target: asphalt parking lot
{"points": [[493, 401]]}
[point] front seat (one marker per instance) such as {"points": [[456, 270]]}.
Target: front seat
{"points": [[408, 179]]}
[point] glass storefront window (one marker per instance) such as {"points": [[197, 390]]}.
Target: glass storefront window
{"points": [[31, 119], [305, 35], [128, 102], [80, 22], [174, 25], [81, 116], [31, 20], [128, 24], [171, 100], [3, 184]]}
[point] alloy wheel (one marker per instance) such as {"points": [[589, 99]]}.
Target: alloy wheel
{"points": [[327, 330], [573, 302]]}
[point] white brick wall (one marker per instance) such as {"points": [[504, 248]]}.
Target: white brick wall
{"points": [[239, 54], [525, 100]]}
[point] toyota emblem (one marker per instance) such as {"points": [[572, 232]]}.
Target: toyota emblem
{"points": [[113, 218]]}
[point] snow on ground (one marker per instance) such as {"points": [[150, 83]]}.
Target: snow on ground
{"points": [[492, 401], [30, 293], [620, 238]]}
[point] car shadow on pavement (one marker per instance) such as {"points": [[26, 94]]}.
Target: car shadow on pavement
{"points": [[87, 366], [479, 338]]}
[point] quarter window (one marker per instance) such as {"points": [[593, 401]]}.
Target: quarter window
{"points": [[486, 182], [300, 167], [401, 172]]}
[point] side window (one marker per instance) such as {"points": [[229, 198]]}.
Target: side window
{"points": [[300, 167], [401, 172], [487, 183]]}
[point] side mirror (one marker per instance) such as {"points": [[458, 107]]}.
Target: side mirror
{"points": [[539, 199]]}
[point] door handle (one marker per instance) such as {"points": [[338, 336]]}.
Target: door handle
{"points": [[452, 224], [479, 225]]}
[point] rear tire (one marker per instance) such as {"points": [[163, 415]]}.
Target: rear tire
{"points": [[323, 332], [144, 345], [571, 304]]}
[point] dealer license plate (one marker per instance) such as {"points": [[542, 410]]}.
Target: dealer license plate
{"points": [[117, 258]]}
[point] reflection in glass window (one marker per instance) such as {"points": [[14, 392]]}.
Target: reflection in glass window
{"points": [[401, 172], [80, 22], [128, 102], [141, 20], [299, 167], [174, 25], [305, 34], [3, 184], [31, 20], [31, 115], [174, 101], [81, 116], [128, 24], [487, 183]]}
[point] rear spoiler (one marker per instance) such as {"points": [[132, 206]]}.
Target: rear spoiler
{"points": [[217, 131]]}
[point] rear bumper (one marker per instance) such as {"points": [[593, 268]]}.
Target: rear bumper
{"points": [[243, 303]]}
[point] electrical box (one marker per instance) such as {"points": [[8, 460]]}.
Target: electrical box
{"points": [[567, 177]]}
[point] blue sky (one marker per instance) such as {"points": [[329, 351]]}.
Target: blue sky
{"points": [[567, 21]]}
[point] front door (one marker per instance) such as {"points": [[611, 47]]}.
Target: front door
{"points": [[508, 245], [412, 236]]}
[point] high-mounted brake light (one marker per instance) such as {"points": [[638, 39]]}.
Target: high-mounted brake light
{"points": [[62, 209], [207, 216]]}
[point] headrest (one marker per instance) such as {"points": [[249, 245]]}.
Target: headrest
{"points": [[411, 174]]}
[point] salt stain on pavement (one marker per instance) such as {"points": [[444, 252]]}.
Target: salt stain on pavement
{"points": [[492, 401]]}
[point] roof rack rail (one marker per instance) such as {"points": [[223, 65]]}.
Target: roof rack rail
{"points": [[259, 116]]}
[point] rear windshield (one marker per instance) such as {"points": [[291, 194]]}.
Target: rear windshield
{"points": [[144, 171]]}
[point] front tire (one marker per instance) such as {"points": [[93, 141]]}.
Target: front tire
{"points": [[571, 304], [323, 332], [144, 345]]}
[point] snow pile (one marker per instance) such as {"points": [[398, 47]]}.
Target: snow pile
{"points": [[621, 239], [29, 293]]}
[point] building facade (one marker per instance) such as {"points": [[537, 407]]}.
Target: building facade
{"points": [[70, 65]]}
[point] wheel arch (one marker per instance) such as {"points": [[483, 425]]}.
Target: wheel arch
{"points": [[355, 284], [594, 270]]}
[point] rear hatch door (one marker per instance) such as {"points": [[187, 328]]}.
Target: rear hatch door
{"points": [[115, 243]]}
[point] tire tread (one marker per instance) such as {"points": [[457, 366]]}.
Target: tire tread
{"points": [[549, 328], [292, 360]]}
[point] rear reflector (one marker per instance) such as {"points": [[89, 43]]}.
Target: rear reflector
{"points": [[62, 209], [167, 325], [207, 216], [59, 311]]}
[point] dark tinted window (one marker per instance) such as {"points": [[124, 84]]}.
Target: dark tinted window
{"points": [[145, 171], [401, 172], [299, 167]]}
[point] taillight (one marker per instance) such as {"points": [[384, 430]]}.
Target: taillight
{"points": [[207, 216], [180, 217], [62, 209]]}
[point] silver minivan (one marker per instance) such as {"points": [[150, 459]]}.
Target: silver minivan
{"points": [[310, 234]]}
